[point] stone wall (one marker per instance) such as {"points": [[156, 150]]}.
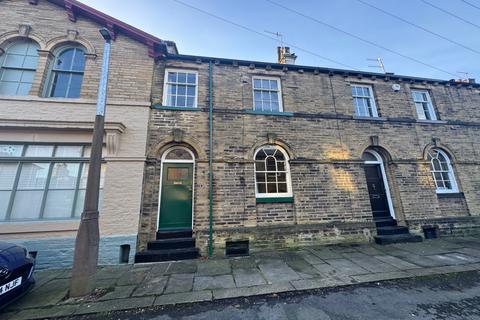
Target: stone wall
{"points": [[39, 119], [324, 141]]}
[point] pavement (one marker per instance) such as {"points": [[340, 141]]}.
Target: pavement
{"points": [[455, 296], [145, 286]]}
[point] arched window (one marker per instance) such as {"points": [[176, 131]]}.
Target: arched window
{"points": [[67, 73], [442, 171], [17, 67], [272, 173]]}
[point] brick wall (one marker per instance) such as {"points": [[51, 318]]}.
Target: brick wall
{"points": [[325, 142]]}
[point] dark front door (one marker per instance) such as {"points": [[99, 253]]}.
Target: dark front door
{"points": [[176, 198], [377, 192]]}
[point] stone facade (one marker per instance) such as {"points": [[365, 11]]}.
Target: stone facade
{"points": [[325, 142], [36, 118]]}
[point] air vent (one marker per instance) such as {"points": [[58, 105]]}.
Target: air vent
{"points": [[237, 248]]}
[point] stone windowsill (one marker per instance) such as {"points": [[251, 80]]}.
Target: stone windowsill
{"points": [[268, 113], [431, 121], [16, 227], [369, 118], [275, 200], [451, 195], [160, 107], [73, 100]]}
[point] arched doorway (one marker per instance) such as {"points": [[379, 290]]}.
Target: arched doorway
{"points": [[175, 209], [377, 183]]}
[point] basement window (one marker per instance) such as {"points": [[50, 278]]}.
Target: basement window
{"points": [[237, 248]]}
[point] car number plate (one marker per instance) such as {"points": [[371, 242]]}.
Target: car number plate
{"points": [[11, 285]]}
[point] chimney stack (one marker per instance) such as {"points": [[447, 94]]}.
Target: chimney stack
{"points": [[284, 55]]}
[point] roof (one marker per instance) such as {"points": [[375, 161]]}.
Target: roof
{"points": [[344, 72], [75, 8]]}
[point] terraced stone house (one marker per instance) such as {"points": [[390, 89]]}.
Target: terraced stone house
{"points": [[247, 154], [50, 60]]}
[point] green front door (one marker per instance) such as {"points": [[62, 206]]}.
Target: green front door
{"points": [[176, 198]]}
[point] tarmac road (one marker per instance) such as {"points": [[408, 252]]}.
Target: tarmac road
{"points": [[452, 296]]}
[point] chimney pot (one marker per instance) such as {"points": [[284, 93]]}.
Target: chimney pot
{"points": [[285, 56]]}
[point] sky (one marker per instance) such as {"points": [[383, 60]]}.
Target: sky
{"points": [[196, 33]]}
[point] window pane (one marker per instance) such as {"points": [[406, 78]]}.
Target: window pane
{"points": [[179, 154], [4, 201], [10, 150], [8, 171], [12, 75], [78, 60], [79, 204], [260, 166], [60, 85], [39, 151], [182, 90], [27, 76], [64, 60], [33, 176], [272, 188], [260, 177], [83, 178], [64, 176], [26, 205], [59, 204], [257, 83], [182, 77], [271, 164], [181, 101], [75, 86], [261, 187], [190, 101], [282, 187], [273, 84], [68, 151], [172, 77], [30, 62], [24, 89], [14, 61], [191, 78], [191, 90], [281, 177], [8, 88]]}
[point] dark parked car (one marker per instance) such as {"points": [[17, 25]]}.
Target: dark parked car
{"points": [[16, 272]]}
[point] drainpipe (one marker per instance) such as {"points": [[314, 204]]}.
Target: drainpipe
{"points": [[210, 156]]}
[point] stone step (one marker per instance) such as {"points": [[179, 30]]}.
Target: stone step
{"points": [[388, 222], [174, 233], [391, 230], [166, 255], [173, 243], [397, 238]]}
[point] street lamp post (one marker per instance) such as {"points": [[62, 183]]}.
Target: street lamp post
{"points": [[87, 242]]}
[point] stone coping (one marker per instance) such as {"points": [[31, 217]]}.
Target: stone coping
{"points": [[127, 287]]}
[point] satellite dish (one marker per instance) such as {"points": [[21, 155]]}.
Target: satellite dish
{"points": [[396, 87]]}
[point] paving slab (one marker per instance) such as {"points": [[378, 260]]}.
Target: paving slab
{"points": [[316, 283], [182, 267], [447, 260], [469, 251], [252, 291], [119, 292], [243, 263], [109, 272], [381, 276], [213, 282], [422, 261], [180, 282], [42, 313], [328, 272], [371, 251], [47, 295], [248, 277], [185, 297], [42, 277], [277, 271], [325, 253], [134, 276], [159, 269], [213, 267], [154, 286], [302, 267], [311, 258], [346, 266], [374, 265], [116, 304], [397, 262]]}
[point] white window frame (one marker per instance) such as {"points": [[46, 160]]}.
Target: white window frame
{"points": [[379, 161], [431, 108], [451, 173], [289, 192], [166, 83], [53, 71], [279, 92], [371, 98]]}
